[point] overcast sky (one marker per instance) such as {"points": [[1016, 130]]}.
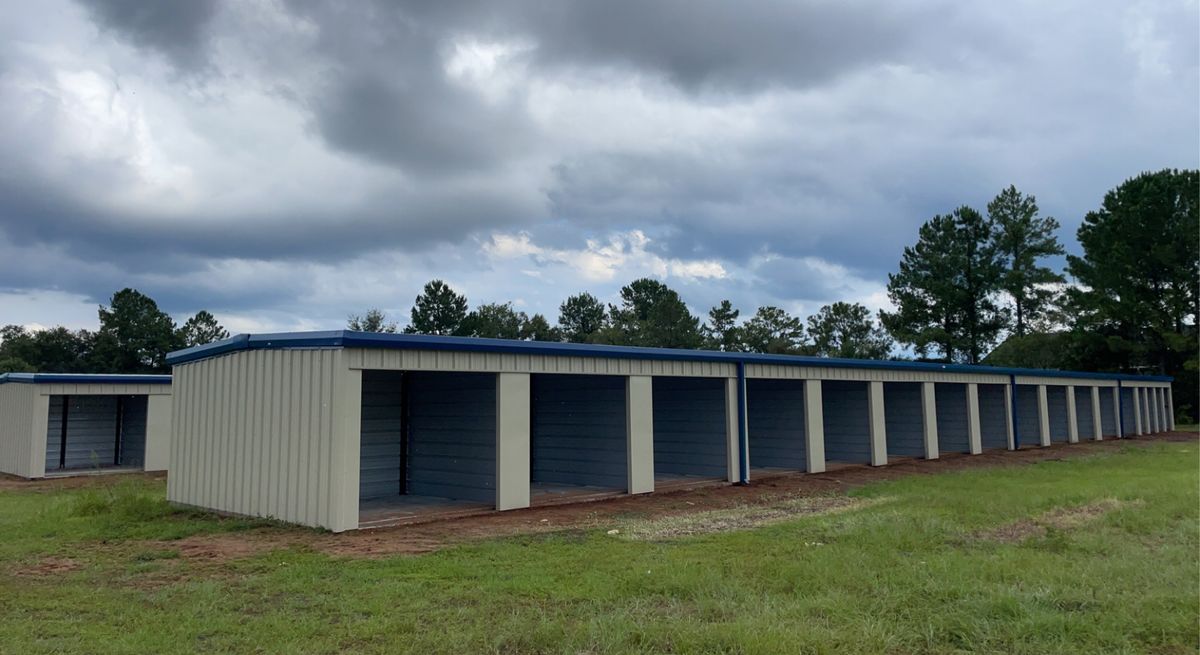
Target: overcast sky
{"points": [[283, 164]]}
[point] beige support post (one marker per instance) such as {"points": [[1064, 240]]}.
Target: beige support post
{"points": [[929, 419], [732, 442], [1146, 393], [1043, 416], [158, 432], [1116, 395], [639, 414], [512, 440], [1170, 408], [1072, 417], [1137, 411], [878, 424], [974, 430], [1097, 425], [1009, 428], [41, 426], [814, 427], [1157, 398], [347, 443]]}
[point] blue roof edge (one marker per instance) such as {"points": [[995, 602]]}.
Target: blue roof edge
{"points": [[84, 378], [350, 339]]}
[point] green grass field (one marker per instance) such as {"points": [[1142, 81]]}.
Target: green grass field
{"points": [[1089, 555]]}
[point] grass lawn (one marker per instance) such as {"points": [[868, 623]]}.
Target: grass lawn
{"points": [[1088, 555]]}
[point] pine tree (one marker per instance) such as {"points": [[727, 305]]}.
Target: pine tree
{"points": [[438, 310], [1023, 238]]}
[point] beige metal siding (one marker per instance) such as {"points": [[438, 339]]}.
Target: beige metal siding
{"points": [[60, 389], [475, 362], [18, 439], [255, 435], [782, 372]]}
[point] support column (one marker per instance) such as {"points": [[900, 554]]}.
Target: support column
{"points": [[1097, 426], [733, 444], [1158, 413], [1009, 425], [1043, 416], [974, 430], [1116, 394], [346, 445], [1151, 421], [1146, 424], [814, 427], [512, 440], [41, 427], [1137, 410], [639, 424], [878, 424], [158, 433], [929, 419], [1072, 417], [1170, 408]]}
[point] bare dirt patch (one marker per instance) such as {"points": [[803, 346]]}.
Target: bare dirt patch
{"points": [[1060, 518], [48, 566], [43, 485], [736, 518]]}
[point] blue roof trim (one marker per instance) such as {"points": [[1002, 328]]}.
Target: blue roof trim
{"points": [[83, 378], [349, 339]]}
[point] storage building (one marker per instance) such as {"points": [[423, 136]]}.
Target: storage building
{"points": [[344, 430], [55, 424]]}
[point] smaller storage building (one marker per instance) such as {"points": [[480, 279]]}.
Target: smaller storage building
{"points": [[66, 424]]}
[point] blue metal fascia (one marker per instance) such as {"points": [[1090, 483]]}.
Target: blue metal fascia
{"points": [[83, 378], [350, 339]]}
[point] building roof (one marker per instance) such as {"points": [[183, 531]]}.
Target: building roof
{"points": [[372, 340], [83, 378]]}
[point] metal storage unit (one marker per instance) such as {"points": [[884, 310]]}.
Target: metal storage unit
{"points": [[1028, 425], [847, 423], [952, 418], [1128, 416], [775, 413], [578, 431], [689, 427], [993, 416], [1083, 412], [903, 420], [63, 423], [1056, 406], [1108, 416]]}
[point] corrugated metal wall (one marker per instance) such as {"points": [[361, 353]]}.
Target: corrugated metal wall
{"points": [[1083, 410], [379, 444], [775, 415], [1029, 428], [17, 409], [260, 433], [993, 416], [689, 427], [475, 362], [847, 421], [903, 421], [952, 417], [133, 430], [91, 432], [1056, 406], [578, 430], [452, 435], [1128, 418], [1108, 416]]}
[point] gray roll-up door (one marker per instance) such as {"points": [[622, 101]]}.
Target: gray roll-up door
{"points": [[775, 416], [903, 419], [452, 435], [1029, 429], [1128, 417], [952, 417], [1108, 418], [689, 426], [578, 430], [91, 432], [133, 430], [1083, 409], [847, 421], [1056, 406], [380, 425], [993, 416]]}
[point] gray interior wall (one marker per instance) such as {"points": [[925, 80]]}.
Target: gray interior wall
{"points": [[379, 442], [775, 416], [452, 435], [1083, 410], [1128, 418], [952, 417], [903, 420], [1056, 406], [847, 421], [1108, 417], [578, 430], [1027, 422], [993, 416], [689, 426], [91, 432], [133, 430]]}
